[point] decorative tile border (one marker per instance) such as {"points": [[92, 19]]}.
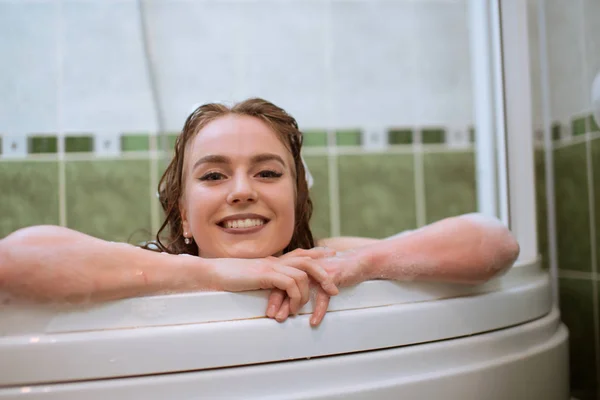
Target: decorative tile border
{"points": [[400, 136], [579, 126], [348, 137], [135, 142], [433, 135], [109, 144], [79, 144], [14, 146], [314, 138]]}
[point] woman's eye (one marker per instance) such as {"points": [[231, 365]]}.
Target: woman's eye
{"points": [[269, 174], [212, 176]]}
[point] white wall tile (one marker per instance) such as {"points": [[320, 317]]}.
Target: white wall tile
{"points": [[535, 63], [566, 58], [591, 21], [28, 67], [105, 81], [196, 44], [389, 63], [373, 63], [443, 73]]}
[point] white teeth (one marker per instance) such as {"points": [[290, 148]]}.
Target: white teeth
{"points": [[243, 223]]}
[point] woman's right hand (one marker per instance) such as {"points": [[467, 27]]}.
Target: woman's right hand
{"points": [[291, 275]]}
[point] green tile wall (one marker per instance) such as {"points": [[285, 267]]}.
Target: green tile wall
{"points": [[577, 313], [541, 206], [572, 208], [160, 166], [29, 194], [319, 193], [579, 126], [109, 199], [593, 124], [449, 184], [596, 175], [376, 194]]}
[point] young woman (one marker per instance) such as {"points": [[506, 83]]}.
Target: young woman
{"points": [[236, 200]]}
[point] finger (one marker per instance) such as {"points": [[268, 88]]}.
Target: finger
{"points": [[302, 282], [321, 304], [286, 283], [284, 311], [317, 272], [275, 300]]}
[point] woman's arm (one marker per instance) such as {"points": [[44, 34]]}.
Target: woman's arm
{"points": [[51, 263], [54, 264], [467, 249], [343, 243], [470, 248]]}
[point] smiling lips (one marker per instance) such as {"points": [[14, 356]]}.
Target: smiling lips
{"points": [[243, 224]]}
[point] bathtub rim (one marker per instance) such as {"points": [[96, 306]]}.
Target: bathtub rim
{"points": [[98, 354]]}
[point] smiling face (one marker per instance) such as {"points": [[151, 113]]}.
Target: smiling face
{"points": [[239, 189]]}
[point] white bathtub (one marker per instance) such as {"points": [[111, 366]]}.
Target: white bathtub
{"points": [[381, 340]]}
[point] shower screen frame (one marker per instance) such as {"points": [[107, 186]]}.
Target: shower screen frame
{"points": [[503, 117]]}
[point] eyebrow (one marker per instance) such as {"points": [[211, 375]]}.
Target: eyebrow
{"points": [[219, 159]]}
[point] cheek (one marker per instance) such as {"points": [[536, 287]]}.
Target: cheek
{"points": [[287, 205], [200, 203]]}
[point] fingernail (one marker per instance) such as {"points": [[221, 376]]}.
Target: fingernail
{"points": [[271, 311]]}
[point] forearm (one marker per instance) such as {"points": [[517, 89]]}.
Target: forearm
{"points": [[465, 249], [48, 263]]}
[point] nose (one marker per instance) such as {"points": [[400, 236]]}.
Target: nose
{"points": [[242, 191]]}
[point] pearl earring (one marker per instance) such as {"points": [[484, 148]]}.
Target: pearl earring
{"points": [[186, 239]]}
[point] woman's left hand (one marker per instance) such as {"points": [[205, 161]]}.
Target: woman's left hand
{"points": [[345, 269]]}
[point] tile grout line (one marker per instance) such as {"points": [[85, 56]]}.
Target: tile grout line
{"points": [[334, 192], [572, 141], [572, 274], [62, 185], [419, 178], [592, 211], [153, 164], [62, 175], [332, 159]]}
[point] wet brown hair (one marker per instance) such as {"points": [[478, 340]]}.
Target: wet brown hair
{"points": [[169, 237]]}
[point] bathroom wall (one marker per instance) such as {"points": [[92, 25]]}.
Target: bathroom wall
{"points": [[573, 46], [381, 88]]}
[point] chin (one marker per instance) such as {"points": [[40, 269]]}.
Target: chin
{"points": [[252, 252]]}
